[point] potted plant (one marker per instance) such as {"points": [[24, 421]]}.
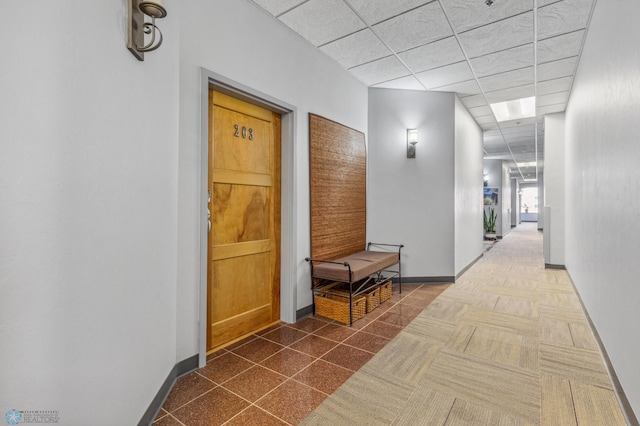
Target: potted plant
{"points": [[490, 224]]}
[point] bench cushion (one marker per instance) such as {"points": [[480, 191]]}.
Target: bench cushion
{"points": [[362, 265]]}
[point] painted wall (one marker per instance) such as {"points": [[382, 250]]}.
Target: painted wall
{"points": [[411, 201], [540, 185], [239, 41], [494, 170], [602, 175], [554, 183], [505, 203], [468, 188], [515, 203], [88, 212]]}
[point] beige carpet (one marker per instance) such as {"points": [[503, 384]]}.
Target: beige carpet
{"points": [[508, 344]]}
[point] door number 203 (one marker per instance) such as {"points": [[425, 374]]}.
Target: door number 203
{"points": [[243, 132]]}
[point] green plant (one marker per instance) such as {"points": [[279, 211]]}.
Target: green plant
{"points": [[490, 221]]}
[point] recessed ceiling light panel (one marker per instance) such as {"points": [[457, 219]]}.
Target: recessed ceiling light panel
{"points": [[513, 110]]}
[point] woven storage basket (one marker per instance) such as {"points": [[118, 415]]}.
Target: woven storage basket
{"points": [[337, 307], [373, 298], [385, 291]]}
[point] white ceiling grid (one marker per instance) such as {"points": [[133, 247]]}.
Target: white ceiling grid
{"points": [[483, 53]]}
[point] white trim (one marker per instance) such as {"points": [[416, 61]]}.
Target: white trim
{"points": [[288, 287]]}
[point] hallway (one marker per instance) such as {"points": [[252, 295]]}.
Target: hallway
{"points": [[507, 344]]}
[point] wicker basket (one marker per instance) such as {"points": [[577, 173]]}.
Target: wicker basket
{"points": [[373, 298], [385, 291], [337, 307]]}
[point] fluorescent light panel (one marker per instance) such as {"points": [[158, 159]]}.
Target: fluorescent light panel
{"points": [[527, 164], [513, 110]]}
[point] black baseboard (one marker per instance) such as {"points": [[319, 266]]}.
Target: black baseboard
{"points": [[466, 268], [180, 369], [552, 266], [627, 410], [424, 280], [304, 312]]}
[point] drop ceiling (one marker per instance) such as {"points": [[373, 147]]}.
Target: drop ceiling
{"points": [[509, 50]]}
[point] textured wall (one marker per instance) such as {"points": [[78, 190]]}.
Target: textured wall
{"points": [[602, 202], [468, 188], [240, 42], [88, 212], [411, 201]]}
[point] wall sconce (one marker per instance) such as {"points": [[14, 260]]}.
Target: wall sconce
{"points": [[485, 180], [412, 140], [138, 27]]}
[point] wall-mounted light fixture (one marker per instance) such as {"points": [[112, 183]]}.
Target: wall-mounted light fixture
{"points": [[412, 140], [485, 180], [138, 27]]}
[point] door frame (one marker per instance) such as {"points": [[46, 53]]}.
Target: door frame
{"points": [[288, 289]]}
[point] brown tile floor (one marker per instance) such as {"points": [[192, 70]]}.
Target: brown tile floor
{"points": [[279, 375]]}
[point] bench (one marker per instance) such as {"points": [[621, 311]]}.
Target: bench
{"points": [[359, 271]]}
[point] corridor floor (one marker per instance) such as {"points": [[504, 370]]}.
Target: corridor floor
{"points": [[508, 343], [278, 376]]}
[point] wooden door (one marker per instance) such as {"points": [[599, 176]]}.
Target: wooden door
{"points": [[244, 241]]}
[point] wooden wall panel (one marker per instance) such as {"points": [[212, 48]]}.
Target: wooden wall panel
{"points": [[338, 179]]}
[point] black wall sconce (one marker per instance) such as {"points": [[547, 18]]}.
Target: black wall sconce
{"points": [[138, 28], [412, 140]]}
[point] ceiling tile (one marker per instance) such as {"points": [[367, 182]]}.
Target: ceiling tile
{"points": [[356, 49], [480, 111], [409, 83], [554, 86], [517, 125], [556, 69], [500, 35], [510, 94], [562, 46], [276, 7], [485, 119], [417, 27], [550, 109], [474, 101], [443, 76], [489, 126], [546, 2], [465, 15], [465, 88], [374, 11], [322, 21], [552, 99], [380, 71], [507, 79], [513, 129], [563, 17], [433, 55], [506, 60]]}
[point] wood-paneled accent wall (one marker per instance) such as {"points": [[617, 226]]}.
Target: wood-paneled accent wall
{"points": [[338, 181]]}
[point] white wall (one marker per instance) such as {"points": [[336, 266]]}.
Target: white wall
{"points": [[468, 188], [88, 211], [411, 201], [505, 201], [494, 169], [540, 185], [240, 42], [602, 175], [554, 182], [515, 202]]}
